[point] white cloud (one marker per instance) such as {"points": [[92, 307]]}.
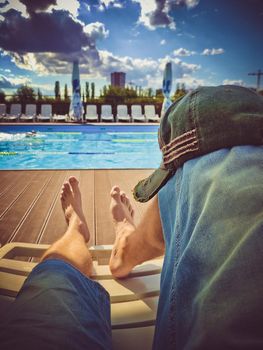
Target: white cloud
{"points": [[13, 83], [155, 14], [15, 4], [96, 31], [163, 42], [183, 52], [30, 61], [145, 72], [188, 3], [71, 6], [190, 81], [233, 82], [87, 7], [158, 13], [212, 52], [99, 64], [105, 4]]}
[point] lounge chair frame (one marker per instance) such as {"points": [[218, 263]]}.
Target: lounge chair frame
{"points": [[134, 300]]}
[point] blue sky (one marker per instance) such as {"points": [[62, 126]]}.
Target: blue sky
{"points": [[209, 42]]}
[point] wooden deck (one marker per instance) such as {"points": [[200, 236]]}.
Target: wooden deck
{"points": [[30, 209]]}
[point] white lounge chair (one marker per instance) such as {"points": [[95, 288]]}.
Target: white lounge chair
{"points": [[106, 113], [46, 113], [15, 112], [2, 110], [136, 113], [60, 117], [30, 114], [150, 113], [122, 114], [91, 113], [134, 299]]}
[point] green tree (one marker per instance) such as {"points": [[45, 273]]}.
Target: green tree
{"points": [[180, 91], [92, 90], [2, 96], [150, 92], [177, 88], [25, 94], [66, 97], [87, 91], [57, 90], [104, 90], [39, 95]]}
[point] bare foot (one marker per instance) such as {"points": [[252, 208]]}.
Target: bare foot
{"points": [[72, 207], [122, 215], [120, 207]]}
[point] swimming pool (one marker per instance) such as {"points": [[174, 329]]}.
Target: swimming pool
{"points": [[79, 147]]}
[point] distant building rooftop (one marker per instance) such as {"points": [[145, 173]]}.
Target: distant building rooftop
{"points": [[118, 79]]}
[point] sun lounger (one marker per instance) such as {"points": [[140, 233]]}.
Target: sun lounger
{"points": [[46, 113], [91, 113], [150, 113], [133, 300], [15, 112], [122, 114], [136, 113], [60, 118], [31, 111], [106, 113], [2, 111]]}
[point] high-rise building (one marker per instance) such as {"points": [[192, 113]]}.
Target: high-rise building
{"points": [[118, 79]]}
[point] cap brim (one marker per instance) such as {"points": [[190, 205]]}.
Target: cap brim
{"points": [[147, 188]]}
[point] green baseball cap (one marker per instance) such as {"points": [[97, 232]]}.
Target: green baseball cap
{"points": [[204, 120]]}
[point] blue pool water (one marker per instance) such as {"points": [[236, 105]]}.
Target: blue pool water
{"points": [[79, 147]]}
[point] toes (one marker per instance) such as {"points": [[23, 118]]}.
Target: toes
{"points": [[123, 197], [74, 184], [66, 189], [64, 194], [115, 193]]}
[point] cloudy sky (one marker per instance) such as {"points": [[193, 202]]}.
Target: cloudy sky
{"points": [[209, 42]]}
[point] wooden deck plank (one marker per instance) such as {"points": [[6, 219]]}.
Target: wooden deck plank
{"points": [[88, 199], [103, 225], [31, 209], [8, 179], [12, 189], [55, 224], [34, 224], [12, 220]]}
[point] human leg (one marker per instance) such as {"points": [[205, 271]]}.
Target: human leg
{"points": [[133, 245], [59, 307], [72, 246], [211, 285]]}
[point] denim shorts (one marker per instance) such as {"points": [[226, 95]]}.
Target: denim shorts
{"points": [[212, 279], [58, 308]]}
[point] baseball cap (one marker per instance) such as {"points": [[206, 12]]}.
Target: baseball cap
{"points": [[204, 120]]}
